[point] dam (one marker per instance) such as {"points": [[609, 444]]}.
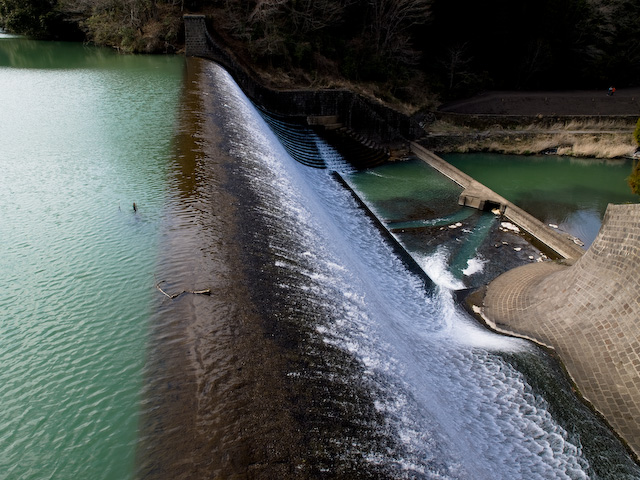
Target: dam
{"points": [[320, 353], [589, 313], [572, 254], [317, 353]]}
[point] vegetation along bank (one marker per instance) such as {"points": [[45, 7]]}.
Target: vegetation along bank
{"points": [[411, 52], [417, 56]]}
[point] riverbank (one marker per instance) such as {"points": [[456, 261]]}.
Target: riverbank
{"points": [[579, 123]]}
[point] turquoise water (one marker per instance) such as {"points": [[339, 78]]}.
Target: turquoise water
{"points": [[409, 190], [571, 193], [420, 206], [84, 134]]}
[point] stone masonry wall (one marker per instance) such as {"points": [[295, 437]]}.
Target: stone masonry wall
{"points": [[589, 313], [195, 38]]}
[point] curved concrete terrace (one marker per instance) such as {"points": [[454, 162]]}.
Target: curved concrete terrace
{"points": [[589, 313]]}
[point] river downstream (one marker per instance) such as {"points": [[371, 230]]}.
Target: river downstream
{"points": [[317, 354]]}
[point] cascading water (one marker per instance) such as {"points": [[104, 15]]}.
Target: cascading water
{"points": [[386, 376]]}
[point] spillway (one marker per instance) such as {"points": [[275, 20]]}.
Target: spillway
{"points": [[319, 354]]}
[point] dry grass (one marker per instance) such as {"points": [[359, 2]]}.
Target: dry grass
{"points": [[577, 124], [594, 146], [610, 146], [609, 138], [441, 126]]}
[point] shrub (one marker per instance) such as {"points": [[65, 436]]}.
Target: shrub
{"points": [[634, 179]]}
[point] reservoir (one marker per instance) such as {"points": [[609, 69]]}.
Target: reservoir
{"points": [[317, 354], [84, 134]]}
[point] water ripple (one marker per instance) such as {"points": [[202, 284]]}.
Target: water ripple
{"points": [[77, 261]]}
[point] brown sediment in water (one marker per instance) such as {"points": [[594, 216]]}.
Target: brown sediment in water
{"points": [[214, 402], [240, 384]]}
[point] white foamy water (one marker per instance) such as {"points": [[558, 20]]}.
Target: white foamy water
{"points": [[474, 265], [436, 267], [332, 159], [454, 407]]}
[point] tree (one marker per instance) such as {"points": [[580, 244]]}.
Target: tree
{"points": [[35, 18], [634, 179], [391, 23]]}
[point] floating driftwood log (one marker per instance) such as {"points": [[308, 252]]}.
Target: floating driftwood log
{"points": [[206, 291]]}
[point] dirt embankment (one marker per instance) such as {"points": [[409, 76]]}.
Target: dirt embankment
{"points": [[579, 123]]}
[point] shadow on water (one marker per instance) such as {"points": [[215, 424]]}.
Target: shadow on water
{"points": [[241, 383]]}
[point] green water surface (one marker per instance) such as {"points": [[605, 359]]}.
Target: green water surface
{"points": [[84, 133], [572, 193]]}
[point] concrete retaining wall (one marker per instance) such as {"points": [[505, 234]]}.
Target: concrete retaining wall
{"points": [[476, 195], [487, 121]]}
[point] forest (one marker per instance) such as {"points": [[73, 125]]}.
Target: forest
{"points": [[409, 50]]}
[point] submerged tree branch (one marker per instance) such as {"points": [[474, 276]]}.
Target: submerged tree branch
{"points": [[206, 291]]}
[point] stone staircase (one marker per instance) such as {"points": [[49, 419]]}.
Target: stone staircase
{"points": [[302, 138]]}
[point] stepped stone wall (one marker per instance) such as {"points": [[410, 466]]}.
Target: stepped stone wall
{"points": [[359, 114], [589, 313]]}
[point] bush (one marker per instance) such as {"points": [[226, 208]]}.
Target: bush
{"points": [[634, 179], [636, 133], [35, 18]]}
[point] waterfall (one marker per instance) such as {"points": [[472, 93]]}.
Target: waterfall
{"points": [[399, 380]]}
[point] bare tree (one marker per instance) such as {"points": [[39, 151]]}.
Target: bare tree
{"points": [[390, 23], [532, 61], [456, 64], [267, 19], [313, 15], [266, 10]]}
